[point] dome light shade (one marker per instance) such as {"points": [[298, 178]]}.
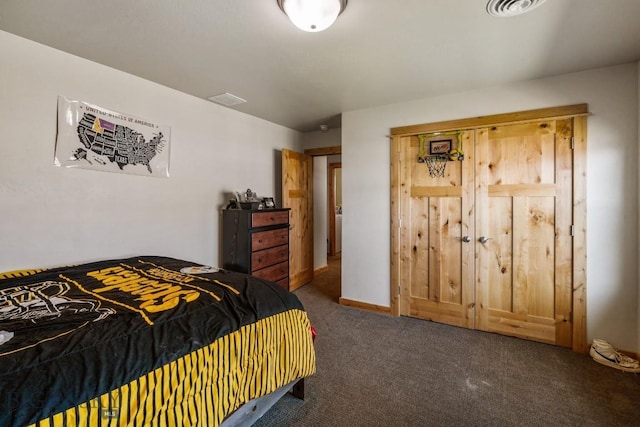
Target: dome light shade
{"points": [[312, 15]]}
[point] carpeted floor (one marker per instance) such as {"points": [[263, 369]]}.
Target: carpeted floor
{"points": [[379, 370]]}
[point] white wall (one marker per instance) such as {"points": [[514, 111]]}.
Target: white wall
{"points": [[319, 139], [320, 207], [51, 215], [612, 186]]}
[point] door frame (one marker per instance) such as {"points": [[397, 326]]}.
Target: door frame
{"points": [[579, 113], [328, 151], [332, 206]]}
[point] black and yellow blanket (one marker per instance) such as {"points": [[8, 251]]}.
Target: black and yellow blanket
{"points": [[144, 341]]}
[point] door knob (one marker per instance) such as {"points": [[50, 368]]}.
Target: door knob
{"points": [[483, 239], [466, 239]]}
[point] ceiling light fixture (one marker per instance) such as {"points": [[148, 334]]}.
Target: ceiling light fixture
{"points": [[312, 15], [506, 8]]}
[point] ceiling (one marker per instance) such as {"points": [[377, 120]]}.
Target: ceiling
{"points": [[378, 52]]}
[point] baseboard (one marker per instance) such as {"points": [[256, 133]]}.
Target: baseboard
{"points": [[320, 270], [365, 306]]}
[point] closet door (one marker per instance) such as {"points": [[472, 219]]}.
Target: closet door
{"points": [[523, 225], [436, 237]]}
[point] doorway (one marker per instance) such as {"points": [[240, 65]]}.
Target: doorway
{"points": [[326, 161]]}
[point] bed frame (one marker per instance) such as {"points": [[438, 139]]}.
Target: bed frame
{"points": [[253, 410]]}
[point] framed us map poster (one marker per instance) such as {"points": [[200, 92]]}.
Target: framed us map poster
{"points": [[93, 137]]}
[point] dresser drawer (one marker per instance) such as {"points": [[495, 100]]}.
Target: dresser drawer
{"points": [[273, 273], [263, 219], [269, 239], [267, 257], [284, 283]]}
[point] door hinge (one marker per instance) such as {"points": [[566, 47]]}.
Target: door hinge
{"points": [[572, 230], [398, 289], [573, 142], [400, 223]]}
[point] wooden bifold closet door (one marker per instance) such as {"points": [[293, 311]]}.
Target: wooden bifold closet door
{"points": [[489, 246], [438, 270], [524, 209]]}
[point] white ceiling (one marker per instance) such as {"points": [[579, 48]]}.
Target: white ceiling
{"points": [[378, 52]]}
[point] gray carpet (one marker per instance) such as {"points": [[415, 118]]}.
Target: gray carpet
{"points": [[378, 370]]}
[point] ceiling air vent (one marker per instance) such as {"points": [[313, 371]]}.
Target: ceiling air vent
{"points": [[506, 8], [227, 99]]}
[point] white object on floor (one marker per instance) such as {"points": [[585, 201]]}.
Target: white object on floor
{"points": [[604, 353]]}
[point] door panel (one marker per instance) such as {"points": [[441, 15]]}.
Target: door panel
{"points": [[297, 194], [500, 296], [445, 254]]}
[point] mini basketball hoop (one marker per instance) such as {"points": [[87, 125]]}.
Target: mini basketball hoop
{"points": [[436, 165], [437, 148]]}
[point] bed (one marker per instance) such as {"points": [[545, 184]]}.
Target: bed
{"points": [[145, 341]]}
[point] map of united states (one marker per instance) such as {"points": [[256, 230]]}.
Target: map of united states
{"points": [[120, 144]]}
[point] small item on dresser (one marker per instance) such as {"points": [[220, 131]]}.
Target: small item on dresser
{"points": [[247, 200], [250, 200], [268, 202], [249, 196], [234, 203]]}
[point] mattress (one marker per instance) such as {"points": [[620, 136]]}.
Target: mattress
{"points": [[144, 341]]}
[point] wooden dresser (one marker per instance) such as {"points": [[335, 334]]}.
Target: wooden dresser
{"points": [[257, 242]]}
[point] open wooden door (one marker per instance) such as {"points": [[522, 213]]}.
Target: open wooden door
{"points": [[297, 194]]}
